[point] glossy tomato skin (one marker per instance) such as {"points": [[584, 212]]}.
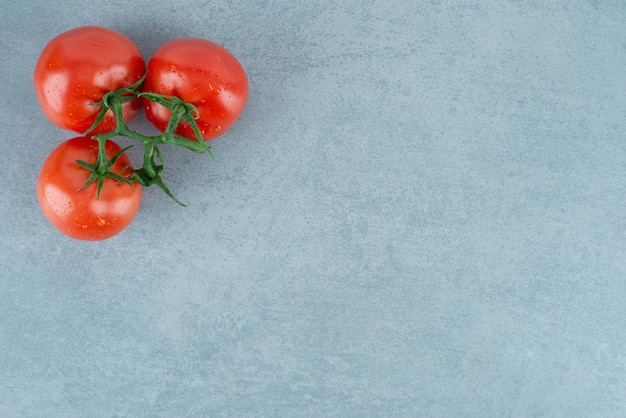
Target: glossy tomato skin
{"points": [[202, 73], [76, 69], [77, 214]]}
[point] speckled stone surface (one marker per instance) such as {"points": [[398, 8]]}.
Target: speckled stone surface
{"points": [[420, 213]]}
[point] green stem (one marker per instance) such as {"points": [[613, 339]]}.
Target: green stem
{"points": [[102, 155], [150, 172], [148, 160]]}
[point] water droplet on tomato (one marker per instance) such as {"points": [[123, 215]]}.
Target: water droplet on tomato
{"points": [[215, 89], [218, 128], [100, 221]]}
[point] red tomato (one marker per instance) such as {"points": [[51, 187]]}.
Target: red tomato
{"points": [[202, 73], [77, 68], [81, 215]]}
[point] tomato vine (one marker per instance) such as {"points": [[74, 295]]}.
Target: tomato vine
{"points": [[150, 172]]}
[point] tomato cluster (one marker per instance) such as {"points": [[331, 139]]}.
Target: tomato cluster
{"points": [[93, 81]]}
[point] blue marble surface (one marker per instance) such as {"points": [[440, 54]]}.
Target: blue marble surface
{"points": [[420, 213]]}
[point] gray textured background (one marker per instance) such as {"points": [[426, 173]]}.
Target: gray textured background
{"points": [[420, 212]]}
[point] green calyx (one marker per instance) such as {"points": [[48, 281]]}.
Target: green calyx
{"points": [[150, 172], [101, 170]]}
